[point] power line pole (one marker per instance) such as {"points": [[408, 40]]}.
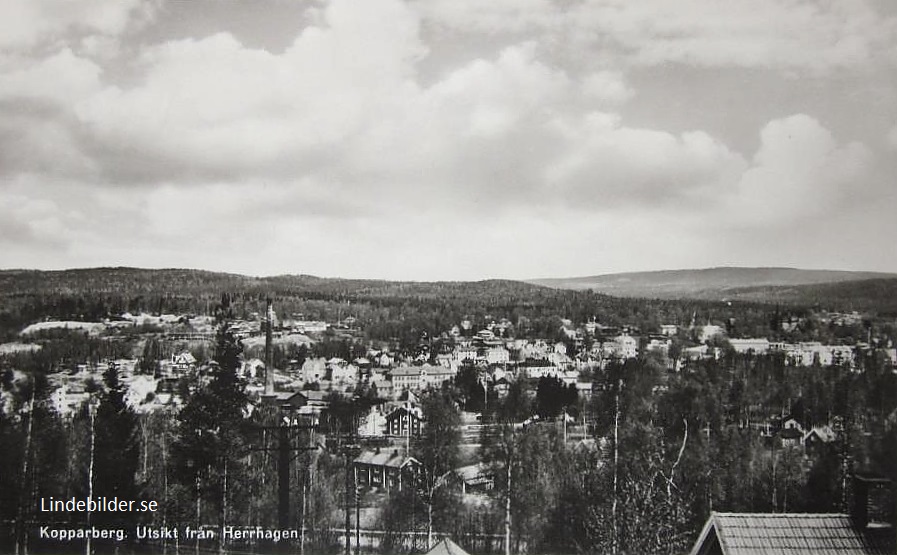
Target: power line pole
{"points": [[614, 538], [283, 477], [357, 519], [286, 452], [350, 450], [92, 408], [348, 511]]}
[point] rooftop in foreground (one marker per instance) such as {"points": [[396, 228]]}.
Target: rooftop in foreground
{"points": [[791, 534]]}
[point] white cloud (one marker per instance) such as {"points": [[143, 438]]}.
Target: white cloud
{"points": [[607, 86], [362, 139], [815, 35], [493, 17], [606, 164], [27, 23], [891, 138], [491, 98], [799, 173], [63, 79], [213, 105]]}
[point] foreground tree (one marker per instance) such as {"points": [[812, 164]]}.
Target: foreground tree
{"points": [[212, 438], [117, 451], [437, 449]]}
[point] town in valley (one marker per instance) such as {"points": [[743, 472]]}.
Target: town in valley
{"points": [[386, 418]]}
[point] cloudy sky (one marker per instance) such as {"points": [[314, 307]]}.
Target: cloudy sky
{"points": [[448, 139]]}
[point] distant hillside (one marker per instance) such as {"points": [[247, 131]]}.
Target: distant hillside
{"points": [[193, 283], [119, 280], [403, 311], [870, 295], [92, 293], [710, 283]]}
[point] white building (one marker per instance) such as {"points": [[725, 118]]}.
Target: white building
{"points": [[465, 353], [669, 329], [622, 346], [314, 370], [709, 331], [497, 355], [416, 378], [758, 346], [659, 344]]}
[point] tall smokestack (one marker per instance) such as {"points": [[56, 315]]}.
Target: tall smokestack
{"points": [[269, 349]]}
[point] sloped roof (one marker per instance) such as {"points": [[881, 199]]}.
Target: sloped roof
{"points": [[393, 458], [397, 412], [406, 371], [792, 534], [317, 396], [473, 473], [446, 547], [824, 433]]}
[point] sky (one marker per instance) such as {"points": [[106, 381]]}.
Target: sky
{"points": [[448, 139]]}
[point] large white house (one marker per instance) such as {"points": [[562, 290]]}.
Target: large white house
{"points": [[416, 378]]}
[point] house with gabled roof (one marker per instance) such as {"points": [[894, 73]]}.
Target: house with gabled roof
{"points": [[385, 469], [790, 437], [384, 388], [446, 547], [404, 420], [474, 478], [183, 361], [868, 530], [784, 533]]}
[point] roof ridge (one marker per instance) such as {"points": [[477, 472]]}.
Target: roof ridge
{"points": [[776, 533], [780, 515]]}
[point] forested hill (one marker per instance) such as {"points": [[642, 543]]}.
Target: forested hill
{"points": [[122, 280], [200, 283], [776, 285], [398, 309], [402, 310], [868, 295]]}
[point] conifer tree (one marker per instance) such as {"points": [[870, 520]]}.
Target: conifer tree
{"points": [[212, 429], [117, 451]]}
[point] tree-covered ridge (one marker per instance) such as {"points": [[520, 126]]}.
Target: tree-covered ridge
{"points": [[387, 310], [878, 295]]}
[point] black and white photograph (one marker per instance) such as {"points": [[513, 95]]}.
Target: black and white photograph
{"points": [[448, 277]]}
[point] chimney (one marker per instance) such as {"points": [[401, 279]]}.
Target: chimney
{"points": [[873, 503], [269, 355]]}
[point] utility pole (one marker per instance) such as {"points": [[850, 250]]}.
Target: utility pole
{"points": [[508, 511], [286, 452], [92, 408], [614, 539], [283, 477], [348, 512], [349, 451], [565, 427], [286, 421], [357, 520]]}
